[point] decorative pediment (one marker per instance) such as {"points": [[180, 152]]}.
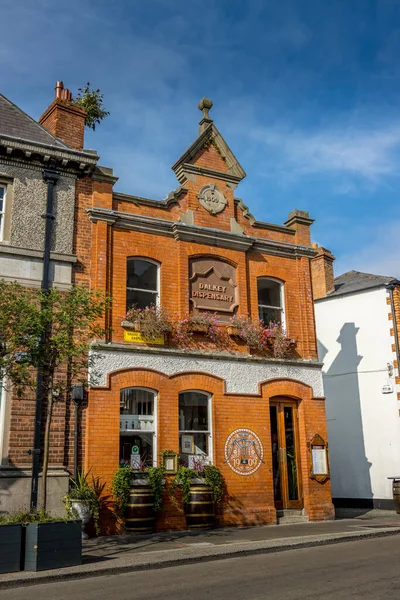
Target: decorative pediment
{"points": [[185, 167]]}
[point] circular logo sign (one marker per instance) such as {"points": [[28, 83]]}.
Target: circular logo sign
{"points": [[212, 198], [244, 451]]}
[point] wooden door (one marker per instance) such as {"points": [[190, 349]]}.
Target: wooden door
{"points": [[285, 454]]}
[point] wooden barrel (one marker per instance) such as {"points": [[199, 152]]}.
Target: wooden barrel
{"points": [[396, 495], [140, 516], [200, 510]]}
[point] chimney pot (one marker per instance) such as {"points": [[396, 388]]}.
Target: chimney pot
{"points": [[64, 119], [58, 89]]}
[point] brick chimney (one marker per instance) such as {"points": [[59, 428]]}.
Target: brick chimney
{"points": [[300, 221], [322, 272], [64, 119]]}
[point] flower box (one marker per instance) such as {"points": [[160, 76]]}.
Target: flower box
{"points": [[233, 331], [198, 328], [53, 545], [11, 548], [134, 325]]}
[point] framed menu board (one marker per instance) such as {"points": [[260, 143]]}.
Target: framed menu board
{"points": [[318, 448]]}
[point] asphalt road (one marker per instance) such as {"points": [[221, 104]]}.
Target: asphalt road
{"points": [[367, 569]]}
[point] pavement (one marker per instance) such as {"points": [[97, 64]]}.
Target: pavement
{"points": [[126, 553], [358, 570]]}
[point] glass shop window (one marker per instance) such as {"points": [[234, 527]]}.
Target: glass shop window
{"points": [[141, 283], [195, 446], [270, 301], [137, 428]]}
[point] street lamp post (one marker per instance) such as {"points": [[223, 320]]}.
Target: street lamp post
{"points": [[77, 398]]}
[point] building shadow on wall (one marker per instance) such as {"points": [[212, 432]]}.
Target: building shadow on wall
{"points": [[10, 498], [350, 468]]}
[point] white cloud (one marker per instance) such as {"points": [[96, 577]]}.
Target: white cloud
{"points": [[366, 152], [379, 255]]}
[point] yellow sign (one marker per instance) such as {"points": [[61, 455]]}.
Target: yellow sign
{"points": [[137, 338]]}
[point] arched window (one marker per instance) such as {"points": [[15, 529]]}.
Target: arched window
{"points": [[142, 282], [138, 427], [270, 300], [195, 440]]}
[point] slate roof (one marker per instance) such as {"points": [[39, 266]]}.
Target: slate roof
{"points": [[355, 281], [15, 123]]}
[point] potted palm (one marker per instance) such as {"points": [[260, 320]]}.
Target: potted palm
{"points": [[84, 500]]}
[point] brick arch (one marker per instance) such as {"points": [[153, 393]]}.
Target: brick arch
{"points": [[214, 257], [116, 377], [154, 252], [199, 380], [291, 388], [272, 277]]}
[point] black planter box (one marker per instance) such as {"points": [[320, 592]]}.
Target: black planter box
{"points": [[53, 545], [10, 548]]}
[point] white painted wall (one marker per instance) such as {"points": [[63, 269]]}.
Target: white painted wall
{"points": [[242, 375], [363, 424]]}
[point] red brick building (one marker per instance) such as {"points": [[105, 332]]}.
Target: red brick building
{"points": [[253, 415]]}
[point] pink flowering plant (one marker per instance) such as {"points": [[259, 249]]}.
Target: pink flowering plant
{"points": [[152, 321], [259, 337], [275, 335], [197, 322], [249, 331]]}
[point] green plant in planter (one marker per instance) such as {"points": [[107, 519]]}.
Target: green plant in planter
{"points": [[180, 485], [120, 488], [215, 480], [156, 477], [122, 482], [39, 516], [90, 494]]}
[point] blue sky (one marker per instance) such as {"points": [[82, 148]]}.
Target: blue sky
{"points": [[306, 93]]}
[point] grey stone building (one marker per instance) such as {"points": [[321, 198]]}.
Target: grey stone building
{"points": [[27, 151]]}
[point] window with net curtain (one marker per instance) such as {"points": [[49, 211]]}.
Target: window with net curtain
{"points": [[141, 283], [2, 209], [194, 428], [137, 427], [270, 300]]}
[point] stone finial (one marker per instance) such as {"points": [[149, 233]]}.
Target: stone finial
{"points": [[205, 105]]}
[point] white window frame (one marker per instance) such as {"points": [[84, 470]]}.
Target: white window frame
{"points": [[282, 296], [154, 262], [155, 414], [210, 423], [3, 212]]}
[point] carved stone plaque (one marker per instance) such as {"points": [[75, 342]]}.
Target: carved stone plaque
{"points": [[244, 451], [212, 198], [213, 286]]}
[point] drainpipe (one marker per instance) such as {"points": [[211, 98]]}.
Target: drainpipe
{"points": [[391, 287], [50, 177]]}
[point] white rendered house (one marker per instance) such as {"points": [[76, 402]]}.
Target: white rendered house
{"points": [[358, 343]]}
